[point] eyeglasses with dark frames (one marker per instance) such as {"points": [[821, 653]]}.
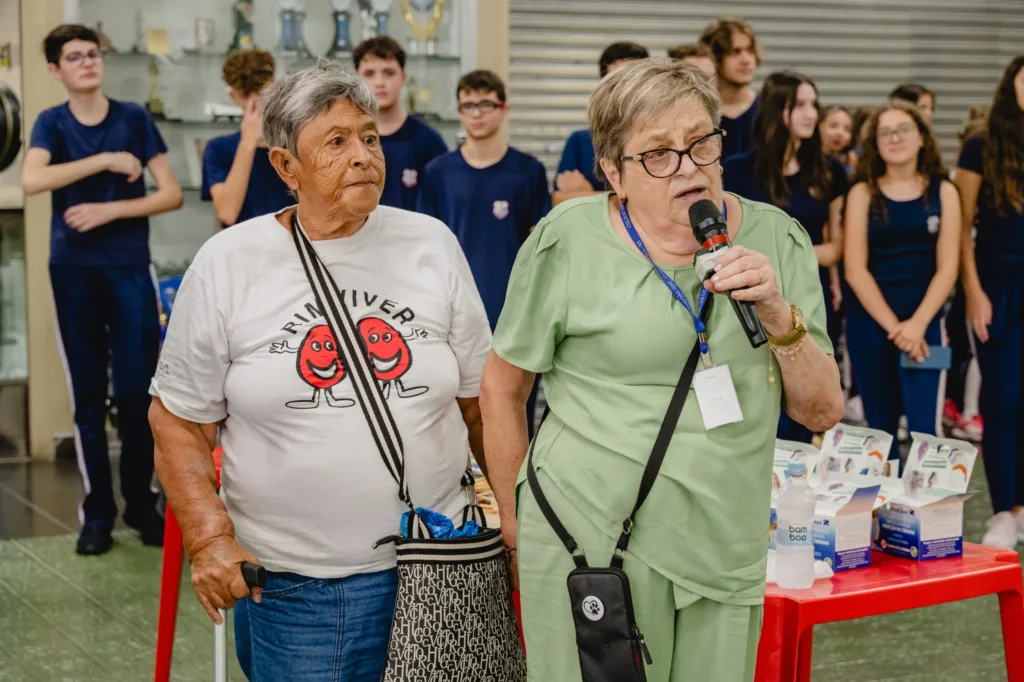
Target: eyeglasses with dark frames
{"points": [[664, 161]]}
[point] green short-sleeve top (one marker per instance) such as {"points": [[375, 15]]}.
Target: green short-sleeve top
{"points": [[591, 314]]}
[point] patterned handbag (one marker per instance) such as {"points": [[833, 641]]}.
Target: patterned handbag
{"points": [[454, 620]]}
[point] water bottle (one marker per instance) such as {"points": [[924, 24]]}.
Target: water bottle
{"points": [[794, 547]]}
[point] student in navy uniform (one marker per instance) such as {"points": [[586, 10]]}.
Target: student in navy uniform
{"points": [[90, 152], [737, 54], [237, 175], [919, 96], [902, 240], [788, 169], [575, 176], [697, 54], [409, 144], [489, 194], [990, 174]]}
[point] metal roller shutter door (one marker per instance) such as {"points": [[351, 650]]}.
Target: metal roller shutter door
{"points": [[856, 53]]}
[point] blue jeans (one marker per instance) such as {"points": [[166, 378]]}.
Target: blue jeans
{"points": [[317, 630]]}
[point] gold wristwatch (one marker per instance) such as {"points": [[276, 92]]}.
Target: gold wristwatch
{"points": [[795, 336]]}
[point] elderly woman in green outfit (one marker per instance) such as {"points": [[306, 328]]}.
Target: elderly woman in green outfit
{"points": [[588, 309]]}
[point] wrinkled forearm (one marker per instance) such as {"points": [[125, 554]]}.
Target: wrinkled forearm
{"points": [[811, 386], [184, 465]]}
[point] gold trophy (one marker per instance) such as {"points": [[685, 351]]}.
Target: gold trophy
{"points": [[423, 17], [157, 45]]}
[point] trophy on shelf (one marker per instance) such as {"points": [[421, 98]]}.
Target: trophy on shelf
{"points": [[423, 17], [241, 12], [204, 34], [342, 45], [106, 47], [157, 46], [375, 15], [293, 13], [139, 46]]}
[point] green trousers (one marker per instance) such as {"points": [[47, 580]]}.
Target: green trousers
{"points": [[690, 637]]}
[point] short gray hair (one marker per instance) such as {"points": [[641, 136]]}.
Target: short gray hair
{"points": [[295, 100], [639, 91]]}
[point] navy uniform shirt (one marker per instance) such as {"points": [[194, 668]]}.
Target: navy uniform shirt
{"points": [[1000, 238], [266, 192], [491, 210], [739, 131], [578, 155], [126, 128], [406, 154]]}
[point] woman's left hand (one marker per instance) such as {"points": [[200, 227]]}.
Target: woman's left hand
{"points": [[909, 338], [750, 277]]}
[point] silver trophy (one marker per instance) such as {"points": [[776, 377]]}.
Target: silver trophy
{"points": [[375, 15], [342, 46], [423, 17], [293, 44]]}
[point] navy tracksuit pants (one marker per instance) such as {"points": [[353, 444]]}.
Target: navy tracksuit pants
{"points": [[1001, 359], [108, 317], [888, 390]]}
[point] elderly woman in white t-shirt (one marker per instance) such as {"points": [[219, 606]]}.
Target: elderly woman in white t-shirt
{"points": [[248, 352]]}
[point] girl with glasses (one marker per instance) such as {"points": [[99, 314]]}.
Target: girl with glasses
{"points": [[902, 237], [788, 169]]}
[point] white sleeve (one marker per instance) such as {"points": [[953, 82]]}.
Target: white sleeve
{"points": [[194, 360], [470, 333]]}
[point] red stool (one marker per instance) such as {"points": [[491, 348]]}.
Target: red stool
{"points": [[170, 587], [890, 584]]}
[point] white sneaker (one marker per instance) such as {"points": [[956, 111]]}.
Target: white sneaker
{"points": [[854, 409], [1020, 524], [902, 434], [1002, 531]]}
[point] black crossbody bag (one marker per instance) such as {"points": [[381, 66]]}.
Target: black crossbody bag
{"points": [[611, 646]]}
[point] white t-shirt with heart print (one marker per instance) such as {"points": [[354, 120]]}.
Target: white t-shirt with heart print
{"points": [[302, 478]]}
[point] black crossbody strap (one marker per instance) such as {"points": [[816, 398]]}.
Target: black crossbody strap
{"points": [[650, 475], [661, 443], [354, 359]]}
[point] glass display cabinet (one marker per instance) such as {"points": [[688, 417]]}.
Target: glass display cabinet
{"points": [[168, 56]]}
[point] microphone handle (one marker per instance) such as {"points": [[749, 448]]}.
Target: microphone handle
{"points": [[751, 323]]}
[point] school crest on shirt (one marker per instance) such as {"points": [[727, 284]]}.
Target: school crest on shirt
{"points": [[500, 209], [319, 367], [410, 176], [933, 224]]}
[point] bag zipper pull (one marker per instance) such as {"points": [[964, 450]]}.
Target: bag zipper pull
{"points": [[643, 645], [386, 541]]}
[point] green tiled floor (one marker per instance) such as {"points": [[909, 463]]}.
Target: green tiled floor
{"points": [[81, 619]]}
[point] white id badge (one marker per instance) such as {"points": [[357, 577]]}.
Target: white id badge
{"points": [[716, 396]]}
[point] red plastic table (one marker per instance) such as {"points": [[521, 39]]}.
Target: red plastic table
{"points": [[890, 584]]}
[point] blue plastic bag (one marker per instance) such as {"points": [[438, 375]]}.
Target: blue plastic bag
{"points": [[440, 525]]}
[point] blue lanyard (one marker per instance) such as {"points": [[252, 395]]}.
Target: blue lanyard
{"points": [[702, 337]]}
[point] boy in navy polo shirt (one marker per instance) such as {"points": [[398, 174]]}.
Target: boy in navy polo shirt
{"points": [[90, 152], [237, 175], [408, 143], [488, 193], [575, 176]]}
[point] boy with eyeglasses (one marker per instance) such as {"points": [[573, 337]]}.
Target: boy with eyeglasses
{"points": [[90, 152], [489, 194]]}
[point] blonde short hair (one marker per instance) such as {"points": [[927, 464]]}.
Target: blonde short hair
{"points": [[638, 92]]}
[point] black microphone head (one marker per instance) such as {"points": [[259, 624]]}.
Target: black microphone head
{"points": [[705, 219]]}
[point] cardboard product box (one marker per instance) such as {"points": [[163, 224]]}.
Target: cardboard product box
{"points": [[926, 520], [855, 450], [842, 524]]}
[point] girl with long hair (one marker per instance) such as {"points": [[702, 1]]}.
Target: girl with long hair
{"points": [[902, 235], [788, 169], [990, 174]]}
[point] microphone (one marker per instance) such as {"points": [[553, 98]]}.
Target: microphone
{"points": [[712, 232]]}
